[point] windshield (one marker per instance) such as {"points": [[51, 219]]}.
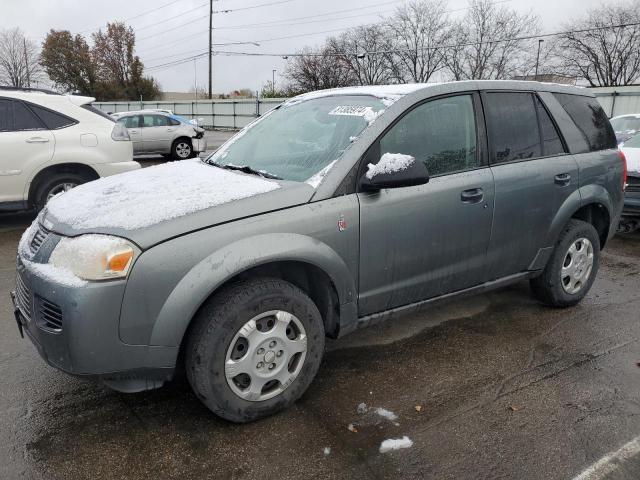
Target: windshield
{"points": [[296, 141], [623, 124], [633, 142], [180, 119]]}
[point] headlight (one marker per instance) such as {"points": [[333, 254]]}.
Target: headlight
{"points": [[94, 257], [120, 133]]}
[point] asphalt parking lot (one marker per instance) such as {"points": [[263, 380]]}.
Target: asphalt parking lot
{"points": [[495, 386]]}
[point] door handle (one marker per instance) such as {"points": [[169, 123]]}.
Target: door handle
{"points": [[473, 195], [170, 129], [133, 131], [562, 179], [37, 140]]}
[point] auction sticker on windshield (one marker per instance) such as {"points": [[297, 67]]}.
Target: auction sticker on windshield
{"points": [[351, 110]]}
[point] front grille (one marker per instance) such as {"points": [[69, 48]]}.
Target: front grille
{"points": [[49, 314], [38, 238], [23, 297]]}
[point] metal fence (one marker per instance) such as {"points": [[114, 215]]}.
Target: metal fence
{"points": [[222, 114], [618, 100]]}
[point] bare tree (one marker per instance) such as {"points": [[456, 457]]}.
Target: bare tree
{"points": [[364, 51], [19, 59], [418, 29], [317, 69], [603, 56], [485, 45]]}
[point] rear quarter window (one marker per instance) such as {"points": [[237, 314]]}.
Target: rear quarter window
{"points": [[53, 120], [589, 117]]}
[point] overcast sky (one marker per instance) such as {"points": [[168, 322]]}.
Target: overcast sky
{"points": [[178, 29]]}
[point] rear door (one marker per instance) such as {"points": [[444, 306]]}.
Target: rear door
{"points": [[157, 133], [25, 144], [533, 177], [423, 241], [132, 124]]}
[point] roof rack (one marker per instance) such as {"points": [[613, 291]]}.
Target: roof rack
{"points": [[26, 89]]}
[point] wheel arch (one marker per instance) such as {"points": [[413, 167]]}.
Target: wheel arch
{"points": [[70, 167], [311, 265]]}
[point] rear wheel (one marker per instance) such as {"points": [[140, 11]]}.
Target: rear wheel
{"points": [[181, 149], [254, 349], [56, 184], [572, 268]]}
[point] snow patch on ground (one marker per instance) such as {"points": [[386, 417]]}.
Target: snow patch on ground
{"points": [[315, 180], [395, 444], [390, 163], [152, 195], [327, 450], [61, 276], [388, 414]]}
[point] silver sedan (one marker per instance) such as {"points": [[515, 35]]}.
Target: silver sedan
{"points": [[162, 133]]}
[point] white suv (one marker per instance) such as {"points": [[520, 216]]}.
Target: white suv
{"points": [[50, 143]]}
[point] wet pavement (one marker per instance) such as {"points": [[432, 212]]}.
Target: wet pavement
{"points": [[506, 388]]}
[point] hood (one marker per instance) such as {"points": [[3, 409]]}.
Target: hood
{"points": [[153, 204]]}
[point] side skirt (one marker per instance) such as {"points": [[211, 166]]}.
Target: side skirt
{"points": [[414, 307]]}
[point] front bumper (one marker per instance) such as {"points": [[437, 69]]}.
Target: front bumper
{"points": [[75, 329], [106, 169], [199, 144]]}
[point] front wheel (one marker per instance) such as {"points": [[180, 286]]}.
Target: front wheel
{"points": [[55, 185], [572, 268], [254, 349], [181, 149]]}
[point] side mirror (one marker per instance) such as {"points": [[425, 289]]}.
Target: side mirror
{"points": [[393, 171]]}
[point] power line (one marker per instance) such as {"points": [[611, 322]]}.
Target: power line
{"points": [[135, 16], [252, 6], [379, 52]]}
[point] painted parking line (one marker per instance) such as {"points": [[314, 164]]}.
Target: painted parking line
{"points": [[611, 461]]}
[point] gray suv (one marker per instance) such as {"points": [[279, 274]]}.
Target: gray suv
{"points": [[335, 210]]}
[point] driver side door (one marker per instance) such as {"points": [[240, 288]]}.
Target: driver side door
{"points": [[423, 241]]}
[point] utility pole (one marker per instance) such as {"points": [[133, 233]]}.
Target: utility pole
{"points": [[538, 58], [273, 83], [26, 62], [210, 42]]}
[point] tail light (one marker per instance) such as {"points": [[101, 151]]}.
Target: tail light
{"points": [[624, 171], [120, 133]]}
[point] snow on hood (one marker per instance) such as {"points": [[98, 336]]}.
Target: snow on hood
{"points": [[387, 93], [152, 195]]}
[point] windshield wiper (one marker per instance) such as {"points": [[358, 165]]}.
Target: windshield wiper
{"points": [[247, 169]]}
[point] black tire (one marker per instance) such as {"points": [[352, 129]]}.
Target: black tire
{"points": [[548, 287], [180, 147], [56, 181], [216, 325]]}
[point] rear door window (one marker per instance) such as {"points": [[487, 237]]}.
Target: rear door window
{"points": [[130, 122], [551, 142], [590, 119], [513, 126]]}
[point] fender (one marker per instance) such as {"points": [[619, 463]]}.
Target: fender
{"points": [[213, 271], [583, 196]]}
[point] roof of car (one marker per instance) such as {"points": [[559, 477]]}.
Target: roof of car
{"points": [[634, 115], [138, 112], [396, 91]]}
